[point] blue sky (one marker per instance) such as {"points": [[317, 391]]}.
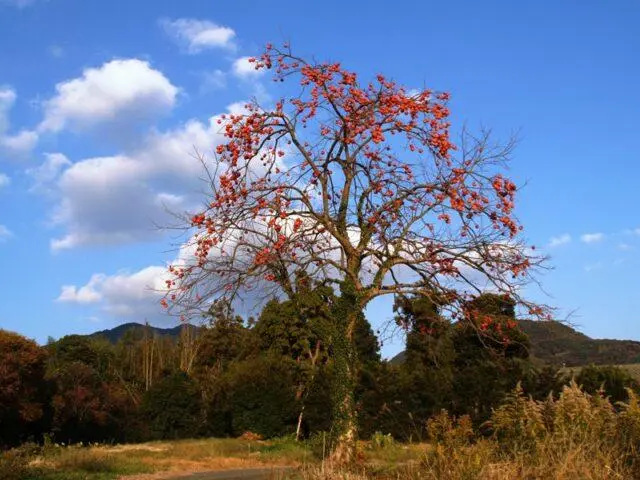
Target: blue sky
{"points": [[101, 104]]}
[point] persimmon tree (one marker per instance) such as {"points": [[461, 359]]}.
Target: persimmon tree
{"points": [[359, 185]]}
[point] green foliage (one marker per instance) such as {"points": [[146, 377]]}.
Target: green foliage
{"points": [[318, 412], [370, 392], [613, 381], [23, 390], [380, 440], [296, 359], [494, 305], [497, 355], [262, 396], [422, 384], [94, 352], [459, 367], [225, 340], [172, 408], [539, 383], [293, 328]]}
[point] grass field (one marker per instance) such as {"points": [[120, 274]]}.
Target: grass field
{"points": [[155, 460]]}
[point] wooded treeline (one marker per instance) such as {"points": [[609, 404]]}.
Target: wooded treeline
{"points": [[271, 376]]}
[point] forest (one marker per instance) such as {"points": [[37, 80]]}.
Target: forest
{"points": [[271, 376]]}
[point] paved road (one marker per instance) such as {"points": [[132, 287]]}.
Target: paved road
{"points": [[277, 473]]}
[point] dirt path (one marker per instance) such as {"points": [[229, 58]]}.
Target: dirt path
{"points": [[273, 473]]}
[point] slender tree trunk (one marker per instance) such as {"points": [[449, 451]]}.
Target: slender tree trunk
{"points": [[345, 375], [151, 356], [299, 427], [146, 358]]}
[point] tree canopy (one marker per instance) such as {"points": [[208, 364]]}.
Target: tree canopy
{"points": [[356, 184]]}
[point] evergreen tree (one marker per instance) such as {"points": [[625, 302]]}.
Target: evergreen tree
{"points": [[613, 381], [172, 408], [489, 346], [425, 379]]}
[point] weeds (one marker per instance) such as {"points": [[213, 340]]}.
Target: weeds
{"points": [[574, 437]]}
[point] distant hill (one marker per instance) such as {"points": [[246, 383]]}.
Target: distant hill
{"points": [[558, 344], [115, 334]]}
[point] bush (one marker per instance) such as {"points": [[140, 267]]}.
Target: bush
{"points": [[14, 464], [520, 422], [172, 408], [380, 441], [614, 381], [262, 397]]}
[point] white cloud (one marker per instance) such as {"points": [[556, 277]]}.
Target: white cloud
{"points": [[5, 233], [45, 176], [199, 35], [242, 68], [84, 295], [118, 91], [121, 198], [4, 180], [18, 144], [122, 294], [625, 247], [561, 240], [592, 237]]}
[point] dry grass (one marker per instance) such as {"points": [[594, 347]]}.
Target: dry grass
{"points": [[157, 460], [149, 460], [576, 437]]}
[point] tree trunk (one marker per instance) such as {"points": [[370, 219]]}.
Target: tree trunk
{"points": [[345, 375], [345, 449], [299, 427]]}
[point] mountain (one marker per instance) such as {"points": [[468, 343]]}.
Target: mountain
{"points": [[558, 344], [115, 334]]}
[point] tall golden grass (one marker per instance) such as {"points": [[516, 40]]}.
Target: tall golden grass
{"points": [[576, 436]]}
